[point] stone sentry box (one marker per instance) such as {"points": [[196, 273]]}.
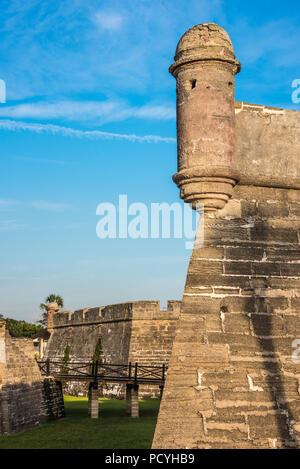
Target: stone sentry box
{"points": [[205, 117], [232, 382], [128, 332]]}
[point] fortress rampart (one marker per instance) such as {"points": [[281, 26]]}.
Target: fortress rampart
{"points": [[128, 332], [232, 380]]}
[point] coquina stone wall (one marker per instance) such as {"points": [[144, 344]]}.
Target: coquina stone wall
{"points": [[152, 335], [26, 399], [129, 332], [233, 381]]}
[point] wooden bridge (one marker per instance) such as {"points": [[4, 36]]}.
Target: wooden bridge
{"points": [[132, 375]]}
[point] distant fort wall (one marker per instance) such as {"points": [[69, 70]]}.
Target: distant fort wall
{"points": [[26, 399], [127, 332]]}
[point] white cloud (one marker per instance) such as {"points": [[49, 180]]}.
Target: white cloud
{"points": [[10, 225], [99, 112], [108, 20], [13, 126], [155, 112], [274, 41], [44, 161], [69, 49], [6, 204], [50, 206]]}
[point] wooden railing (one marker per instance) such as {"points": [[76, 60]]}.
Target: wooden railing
{"points": [[97, 371]]}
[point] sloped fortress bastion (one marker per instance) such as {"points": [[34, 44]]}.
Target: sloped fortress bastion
{"points": [[232, 381]]}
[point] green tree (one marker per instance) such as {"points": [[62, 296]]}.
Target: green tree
{"points": [[52, 298], [21, 328]]}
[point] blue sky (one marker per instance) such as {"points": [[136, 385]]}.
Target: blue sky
{"points": [[84, 80]]}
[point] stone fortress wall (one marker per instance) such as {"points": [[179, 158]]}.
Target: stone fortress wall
{"points": [[232, 381], [129, 332], [26, 399]]}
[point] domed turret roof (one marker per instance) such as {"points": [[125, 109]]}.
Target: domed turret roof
{"points": [[53, 306], [204, 41]]}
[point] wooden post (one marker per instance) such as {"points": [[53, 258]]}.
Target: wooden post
{"points": [[96, 372], [128, 398], [48, 367], [89, 399], [135, 371]]}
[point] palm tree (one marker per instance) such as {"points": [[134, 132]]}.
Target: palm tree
{"points": [[52, 298]]}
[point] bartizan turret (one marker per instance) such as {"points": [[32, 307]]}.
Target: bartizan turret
{"points": [[52, 308], [205, 68]]}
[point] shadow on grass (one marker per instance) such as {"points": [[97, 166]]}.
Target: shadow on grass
{"points": [[113, 430]]}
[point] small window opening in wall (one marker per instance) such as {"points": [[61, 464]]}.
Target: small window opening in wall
{"points": [[230, 83], [193, 83]]}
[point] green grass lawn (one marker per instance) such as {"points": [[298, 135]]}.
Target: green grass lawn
{"points": [[113, 430]]}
